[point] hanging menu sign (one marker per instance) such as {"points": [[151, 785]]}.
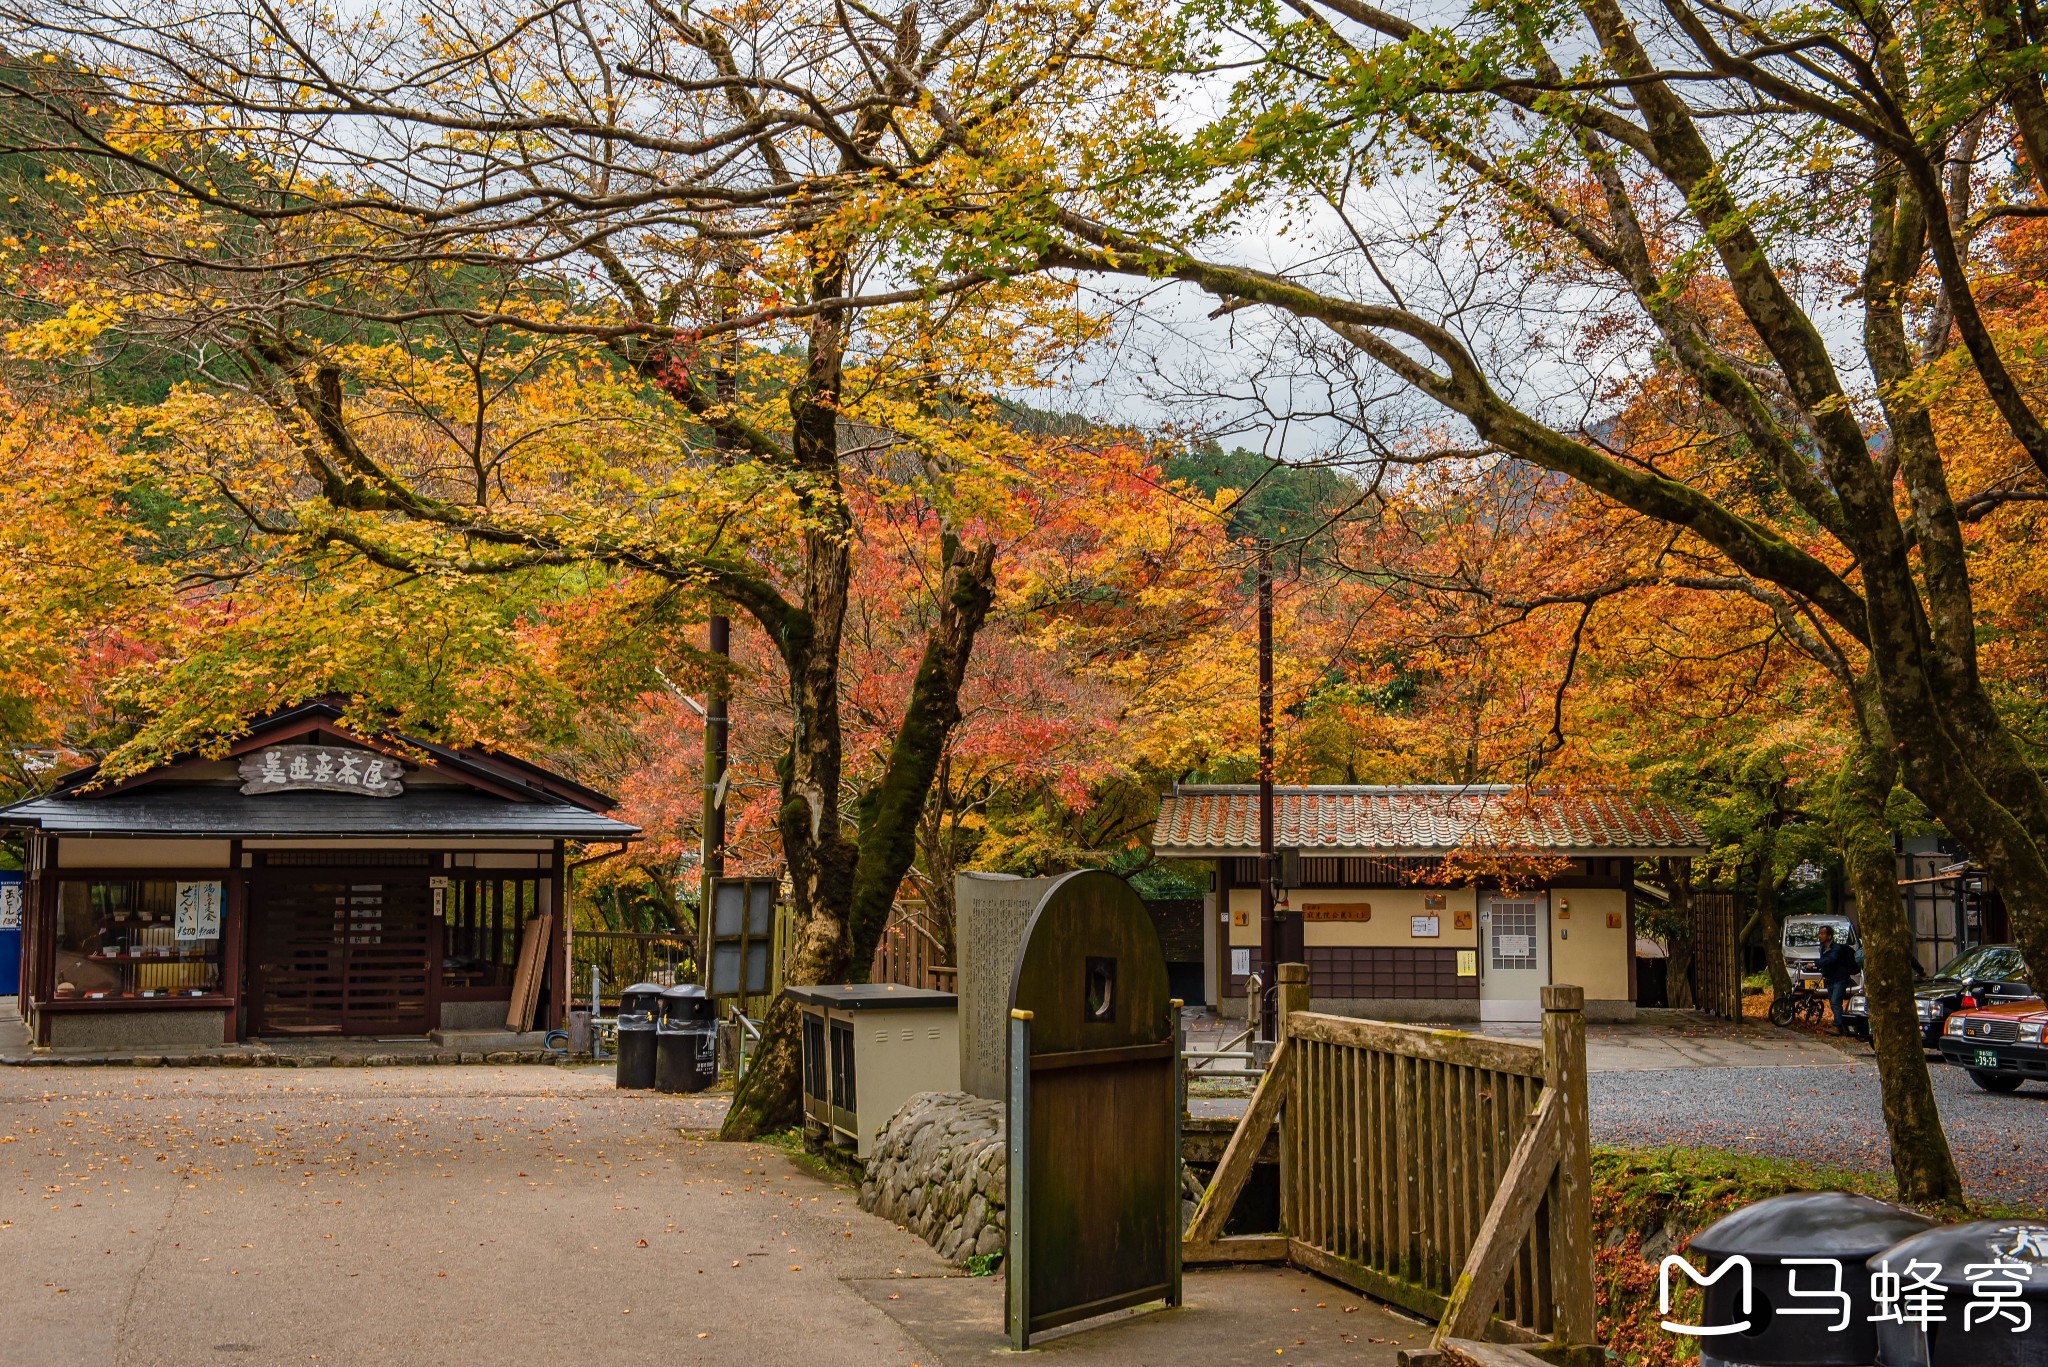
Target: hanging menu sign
{"points": [[321, 768], [10, 906], [198, 911]]}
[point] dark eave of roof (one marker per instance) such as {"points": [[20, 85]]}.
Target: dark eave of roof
{"points": [[222, 810], [507, 775], [510, 769]]}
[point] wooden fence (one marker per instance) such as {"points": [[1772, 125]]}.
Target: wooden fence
{"points": [[910, 952], [1446, 1173], [1717, 954], [624, 957]]}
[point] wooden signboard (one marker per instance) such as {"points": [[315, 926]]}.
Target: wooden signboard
{"points": [[321, 769], [1336, 911]]}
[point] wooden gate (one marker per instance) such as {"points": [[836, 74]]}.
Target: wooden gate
{"points": [[1094, 1111], [341, 951], [1717, 954], [1446, 1173]]}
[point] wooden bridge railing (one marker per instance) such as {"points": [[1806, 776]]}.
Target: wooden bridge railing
{"points": [[1446, 1173]]}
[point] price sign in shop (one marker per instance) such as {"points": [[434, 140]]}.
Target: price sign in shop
{"points": [[198, 911]]}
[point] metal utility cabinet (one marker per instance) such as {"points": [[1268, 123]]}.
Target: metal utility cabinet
{"points": [[870, 1047]]}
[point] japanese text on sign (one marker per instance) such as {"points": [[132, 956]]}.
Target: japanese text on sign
{"points": [[198, 913], [321, 768]]}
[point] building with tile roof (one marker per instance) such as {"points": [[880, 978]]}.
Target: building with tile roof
{"points": [[1425, 901], [311, 880]]}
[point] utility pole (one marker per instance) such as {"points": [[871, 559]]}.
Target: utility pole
{"points": [[1269, 939], [718, 641], [718, 638]]}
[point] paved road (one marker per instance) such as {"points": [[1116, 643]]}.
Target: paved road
{"points": [[1661, 1042], [508, 1215], [412, 1215], [1829, 1116]]}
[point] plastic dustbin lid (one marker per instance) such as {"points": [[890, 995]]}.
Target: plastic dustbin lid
{"points": [[1956, 1249], [641, 997], [685, 1003], [1833, 1224]]}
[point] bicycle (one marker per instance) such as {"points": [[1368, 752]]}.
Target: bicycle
{"points": [[1801, 1003]]}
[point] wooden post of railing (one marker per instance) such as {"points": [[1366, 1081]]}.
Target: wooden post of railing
{"points": [[1293, 994], [1290, 995], [1571, 1196]]}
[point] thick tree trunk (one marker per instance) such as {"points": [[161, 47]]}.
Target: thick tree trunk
{"points": [[889, 840], [1678, 968], [1767, 908], [1921, 1159], [842, 883], [842, 892], [1956, 752]]}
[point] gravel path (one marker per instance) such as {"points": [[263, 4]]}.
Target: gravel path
{"points": [[1828, 1116]]}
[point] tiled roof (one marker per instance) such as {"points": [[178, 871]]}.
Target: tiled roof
{"points": [[1421, 819]]}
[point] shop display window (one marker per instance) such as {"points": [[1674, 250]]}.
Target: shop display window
{"points": [[137, 939]]}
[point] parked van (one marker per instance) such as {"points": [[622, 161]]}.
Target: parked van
{"points": [[1802, 942]]}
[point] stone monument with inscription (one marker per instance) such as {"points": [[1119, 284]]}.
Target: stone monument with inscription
{"points": [[991, 911]]}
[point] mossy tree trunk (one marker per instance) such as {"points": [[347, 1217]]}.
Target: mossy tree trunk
{"points": [[1678, 991], [844, 883], [1921, 1159], [1766, 918]]}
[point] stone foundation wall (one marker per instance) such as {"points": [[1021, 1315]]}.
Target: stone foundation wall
{"points": [[940, 1170], [138, 1030]]}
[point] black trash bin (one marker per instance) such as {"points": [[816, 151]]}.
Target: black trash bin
{"points": [[1835, 1225], [1988, 1284], [639, 1009], [687, 1043]]}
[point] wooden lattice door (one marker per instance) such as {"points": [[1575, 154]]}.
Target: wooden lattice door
{"points": [[341, 950]]}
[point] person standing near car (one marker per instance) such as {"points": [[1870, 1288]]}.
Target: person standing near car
{"points": [[1836, 965]]}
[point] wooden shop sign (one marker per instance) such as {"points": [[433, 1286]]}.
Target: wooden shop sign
{"points": [[321, 768], [1336, 911]]}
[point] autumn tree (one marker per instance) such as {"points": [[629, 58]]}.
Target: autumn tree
{"points": [[418, 249], [1716, 175]]}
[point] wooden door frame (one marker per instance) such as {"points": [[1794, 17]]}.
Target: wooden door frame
{"points": [[435, 940]]}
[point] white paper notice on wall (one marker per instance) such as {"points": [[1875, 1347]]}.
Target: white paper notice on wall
{"points": [[10, 906], [198, 911], [1240, 962], [1425, 927], [1514, 946]]}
